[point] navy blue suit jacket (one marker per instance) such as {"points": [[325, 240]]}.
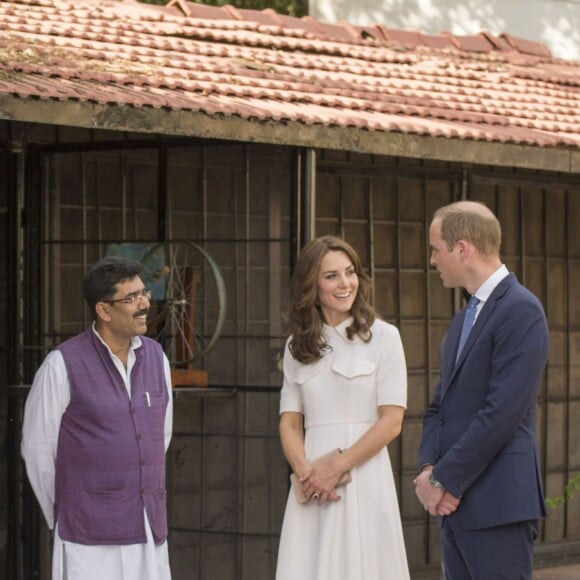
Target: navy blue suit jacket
{"points": [[480, 429]]}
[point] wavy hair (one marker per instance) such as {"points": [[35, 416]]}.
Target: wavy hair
{"points": [[305, 315]]}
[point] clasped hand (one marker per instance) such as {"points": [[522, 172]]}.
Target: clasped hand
{"points": [[435, 500], [321, 482]]}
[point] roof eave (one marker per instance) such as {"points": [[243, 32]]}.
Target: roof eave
{"points": [[148, 120]]}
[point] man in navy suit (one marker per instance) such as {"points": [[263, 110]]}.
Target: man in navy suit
{"points": [[478, 462]]}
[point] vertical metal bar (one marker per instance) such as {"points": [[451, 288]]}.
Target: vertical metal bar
{"points": [[546, 376], [15, 480], [15, 203], [19, 282], [84, 224], [204, 427], [568, 226], [36, 558], [247, 262], [99, 219], [567, 415], [371, 228], [46, 318], [124, 204], [308, 204], [163, 201], [243, 439], [52, 254], [398, 256], [427, 338], [522, 273], [296, 199], [36, 191], [341, 228]]}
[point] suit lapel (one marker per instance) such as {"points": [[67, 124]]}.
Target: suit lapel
{"points": [[449, 366]]}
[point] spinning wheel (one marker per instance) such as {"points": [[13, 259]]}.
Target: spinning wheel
{"points": [[188, 302]]}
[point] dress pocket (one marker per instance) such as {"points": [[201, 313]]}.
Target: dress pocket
{"points": [[352, 368]]}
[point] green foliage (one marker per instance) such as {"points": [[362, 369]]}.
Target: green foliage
{"points": [[572, 485], [290, 7]]}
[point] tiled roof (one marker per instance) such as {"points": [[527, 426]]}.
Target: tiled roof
{"points": [[266, 67]]}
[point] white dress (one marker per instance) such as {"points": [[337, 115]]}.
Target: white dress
{"points": [[359, 537]]}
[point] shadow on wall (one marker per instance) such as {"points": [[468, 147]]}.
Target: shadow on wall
{"points": [[553, 22]]}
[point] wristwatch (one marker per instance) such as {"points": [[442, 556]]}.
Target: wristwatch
{"points": [[433, 481]]}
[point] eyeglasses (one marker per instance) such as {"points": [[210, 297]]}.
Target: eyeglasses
{"points": [[132, 298]]}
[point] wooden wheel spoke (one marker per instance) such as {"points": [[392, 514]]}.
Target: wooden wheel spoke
{"points": [[180, 319]]}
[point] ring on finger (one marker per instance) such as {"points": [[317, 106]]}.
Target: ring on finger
{"points": [[315, 496]]}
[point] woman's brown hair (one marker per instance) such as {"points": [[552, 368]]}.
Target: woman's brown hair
{"points": [[305, 317]]}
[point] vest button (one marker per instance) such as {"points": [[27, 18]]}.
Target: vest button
{"points": [[142, 462], [142, 491], [138, 435]]}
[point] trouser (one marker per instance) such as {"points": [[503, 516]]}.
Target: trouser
{"points": [[499, 553]]}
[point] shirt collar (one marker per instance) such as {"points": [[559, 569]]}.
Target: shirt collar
{"points": [[485, 290], [339, 329]]}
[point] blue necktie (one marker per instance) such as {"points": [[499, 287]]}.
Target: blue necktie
{"points": [[467, 323]]}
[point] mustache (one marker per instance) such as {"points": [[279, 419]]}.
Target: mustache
{"points": [[141, 312]]}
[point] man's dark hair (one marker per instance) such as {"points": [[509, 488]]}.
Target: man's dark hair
{"points": [[100, 283]]}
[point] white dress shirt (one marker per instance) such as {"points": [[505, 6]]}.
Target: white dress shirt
{"points": [[46, 403], [484, 291]]}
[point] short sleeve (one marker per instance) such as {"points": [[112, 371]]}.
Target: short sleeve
{"points": [[290, 399], [392, 371]]}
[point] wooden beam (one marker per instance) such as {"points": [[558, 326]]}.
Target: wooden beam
{"points": [[194, 124]]}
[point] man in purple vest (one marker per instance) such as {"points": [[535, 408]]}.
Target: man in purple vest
{"points": [[97, 424]]}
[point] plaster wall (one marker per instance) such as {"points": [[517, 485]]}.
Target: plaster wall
{"points": [[553, 22]]}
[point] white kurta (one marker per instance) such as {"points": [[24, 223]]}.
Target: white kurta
{"points": [[359, 537], [46, 403]]}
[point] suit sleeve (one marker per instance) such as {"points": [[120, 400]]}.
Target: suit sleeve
{"points": [[519, 352], [427, 449]]}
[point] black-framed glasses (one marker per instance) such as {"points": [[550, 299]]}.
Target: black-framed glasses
{"points": [[131, 298]]}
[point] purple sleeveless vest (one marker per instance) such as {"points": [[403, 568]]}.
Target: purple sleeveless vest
{"points": [[110, 460]]}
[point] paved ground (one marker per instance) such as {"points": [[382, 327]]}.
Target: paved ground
{"points": [[559, 573], [568, 572]]}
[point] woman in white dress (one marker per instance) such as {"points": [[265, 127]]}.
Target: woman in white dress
{"points": [[345, 387]]}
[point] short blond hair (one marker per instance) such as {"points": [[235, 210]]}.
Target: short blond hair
{"points": [[472, 221]]}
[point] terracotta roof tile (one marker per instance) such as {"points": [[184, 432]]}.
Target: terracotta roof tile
{"points": [[269, 67], [526, 46], [472, 43]]}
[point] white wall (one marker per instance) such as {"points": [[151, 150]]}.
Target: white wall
{"points": [[553, 22]]}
